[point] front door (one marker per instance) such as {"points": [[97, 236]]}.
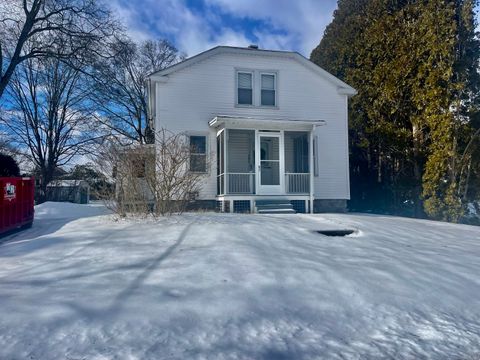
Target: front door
{"points": [[270, 164]]}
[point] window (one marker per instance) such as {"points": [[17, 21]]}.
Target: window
{"points": [[315, 156], [198, 153], [268, 90], [245, 88], [139, 168], [256, 88]]}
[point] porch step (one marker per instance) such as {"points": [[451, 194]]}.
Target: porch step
{"points": [[277, 211], [274, 206]]}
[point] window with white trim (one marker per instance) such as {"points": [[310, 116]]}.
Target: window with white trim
{"points": [[244, 88], [268, 91], [198, 153]]}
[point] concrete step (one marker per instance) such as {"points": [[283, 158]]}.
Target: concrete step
{"points": [[274, 206], [276, 211], [271, 201]]}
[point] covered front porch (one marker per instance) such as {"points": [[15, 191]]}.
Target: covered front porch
{"points": [[264, 159]]}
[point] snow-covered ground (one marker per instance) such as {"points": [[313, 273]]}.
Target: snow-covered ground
{"points": [[79, 285]]}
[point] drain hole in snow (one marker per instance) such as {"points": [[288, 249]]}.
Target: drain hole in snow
{"points": [[343, 232]]}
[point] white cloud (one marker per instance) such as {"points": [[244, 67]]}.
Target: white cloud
{"points": [[289, 25], [302, 21], [191, 33], [130, 18], [272, 41], [195, 33]]}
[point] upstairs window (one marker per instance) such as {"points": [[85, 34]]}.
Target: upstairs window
{"points": [[198, 154], [268, 90], [244, 88]]}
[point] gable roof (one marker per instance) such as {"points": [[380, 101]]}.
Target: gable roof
{"points": [[342, 87]]}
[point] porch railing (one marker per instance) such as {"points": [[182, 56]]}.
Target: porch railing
{"points": [[240, 183], [297, 183], [244, 183]]}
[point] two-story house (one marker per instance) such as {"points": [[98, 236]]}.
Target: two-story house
{"points": [[271, 125]]}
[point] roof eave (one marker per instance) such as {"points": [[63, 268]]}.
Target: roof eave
{"points": [[347, 91], [220, 120]]}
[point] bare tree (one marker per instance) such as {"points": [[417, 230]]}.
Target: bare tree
{"points": [[6, 146], [50, 116], [31, 29], [120, 87]]}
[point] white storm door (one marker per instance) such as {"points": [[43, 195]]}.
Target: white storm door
{"points": [[270, 164]]}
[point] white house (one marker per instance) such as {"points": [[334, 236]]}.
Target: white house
{"points": [[273, 124]]}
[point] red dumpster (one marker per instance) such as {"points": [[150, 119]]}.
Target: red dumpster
{"points": [[16, 203]]}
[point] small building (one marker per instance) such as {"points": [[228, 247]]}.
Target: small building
{"points": [[75, 191]]}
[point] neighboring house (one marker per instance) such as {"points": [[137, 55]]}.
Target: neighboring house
{"points": [[75, 191], [273, 124]]}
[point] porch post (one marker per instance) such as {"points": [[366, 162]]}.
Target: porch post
{"points": [[310, 167], [257, 163], [225, 152]]}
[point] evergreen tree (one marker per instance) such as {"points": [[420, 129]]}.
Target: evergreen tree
{"points": [[415, 66], [8, 166], [448, 168]]}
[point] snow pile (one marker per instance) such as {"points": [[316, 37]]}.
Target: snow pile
{"points": [[223, 286], [66, 210]]}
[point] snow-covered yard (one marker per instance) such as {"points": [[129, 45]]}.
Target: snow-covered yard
{"points": [[79, 285]]}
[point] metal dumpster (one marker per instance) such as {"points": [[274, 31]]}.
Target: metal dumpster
{"points": [[16, 203]]}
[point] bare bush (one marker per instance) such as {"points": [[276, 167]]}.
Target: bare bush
{"points": [[172, 184], [150, 179], [124, 166]]}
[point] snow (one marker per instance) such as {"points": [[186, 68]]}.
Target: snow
{"points": [[81, 284], [67, 183], [473, 209], [46, 212]]}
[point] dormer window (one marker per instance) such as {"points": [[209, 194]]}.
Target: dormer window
{"points": [[268, 93], [244, 88]]}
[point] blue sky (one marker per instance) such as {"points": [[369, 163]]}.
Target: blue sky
{"points": [[197, 25]]}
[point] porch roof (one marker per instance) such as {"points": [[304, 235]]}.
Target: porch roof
{"points": [[244, 122]]}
